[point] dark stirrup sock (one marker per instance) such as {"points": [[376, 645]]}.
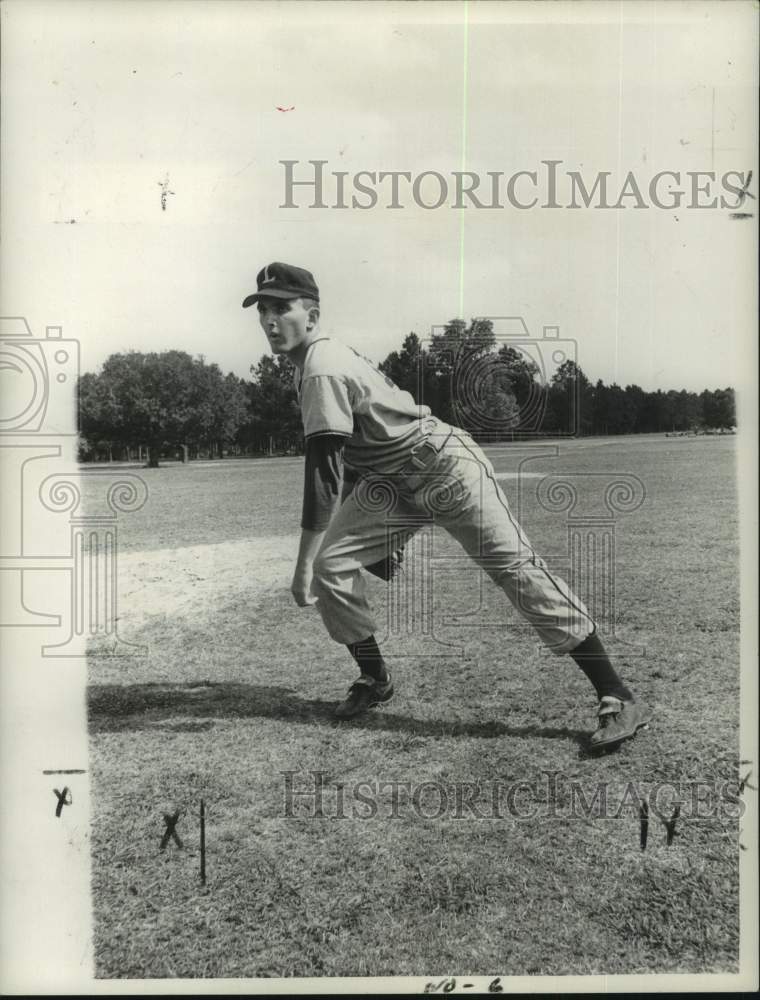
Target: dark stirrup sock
{"points": [[591, 657], [367, 654]]}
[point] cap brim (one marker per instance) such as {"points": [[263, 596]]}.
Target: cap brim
{"points": [[273, 293]]}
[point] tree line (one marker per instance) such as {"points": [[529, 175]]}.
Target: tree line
{"points": [[169, 404]]}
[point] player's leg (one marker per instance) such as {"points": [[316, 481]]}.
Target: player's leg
{"points": [[367, 526], [389, 565], [482, 521], [465, 498], [359, 536]]}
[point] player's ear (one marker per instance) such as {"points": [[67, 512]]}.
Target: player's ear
{"points": [[313, 315]]}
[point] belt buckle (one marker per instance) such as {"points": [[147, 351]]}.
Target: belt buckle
{"points": [[419, 463]]}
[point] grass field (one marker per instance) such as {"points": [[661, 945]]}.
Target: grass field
{"points": [[237, 687]]}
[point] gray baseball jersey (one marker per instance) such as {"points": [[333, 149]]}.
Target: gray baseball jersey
{"points": [[342, 392]]}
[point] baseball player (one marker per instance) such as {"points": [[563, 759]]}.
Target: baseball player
{"points": [[367, 440]]}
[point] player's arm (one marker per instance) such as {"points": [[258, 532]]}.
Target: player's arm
{"points": [[323, 487]]}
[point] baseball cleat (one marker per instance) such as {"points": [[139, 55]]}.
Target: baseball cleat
{"points": [[364, 693], [618, 721]]}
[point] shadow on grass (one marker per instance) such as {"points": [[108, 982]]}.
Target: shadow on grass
{"points": [[192, 706]]}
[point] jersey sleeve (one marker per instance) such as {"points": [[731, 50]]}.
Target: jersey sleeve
{"points": [[323, 480], [326, 406]]}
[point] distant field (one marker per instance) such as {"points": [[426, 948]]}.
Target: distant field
{"points": [[237, 687]]}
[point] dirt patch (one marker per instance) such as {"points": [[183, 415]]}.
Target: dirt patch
{"points": [[184, 582]]}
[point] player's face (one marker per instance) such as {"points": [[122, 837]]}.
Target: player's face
{"points": [[285, 322]]}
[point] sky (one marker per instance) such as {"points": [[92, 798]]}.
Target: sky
{"points": [[108, 105]]}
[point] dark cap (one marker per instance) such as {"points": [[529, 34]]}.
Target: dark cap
{"points": [[283, 281]]}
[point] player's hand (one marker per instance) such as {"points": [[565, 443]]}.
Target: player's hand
{"points": [[300, 588]]}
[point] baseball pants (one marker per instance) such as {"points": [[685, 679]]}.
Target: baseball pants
{"points": [[457, 490]]}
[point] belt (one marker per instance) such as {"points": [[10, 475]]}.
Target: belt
{"points": [[423, 453]]}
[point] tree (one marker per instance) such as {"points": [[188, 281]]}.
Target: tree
{"points": [[161, 400], [219, 406], [485, 404], [689, 410], [500, 403], [726, 414], [718, 408], [570, 394], [152, 395], [274, 409], [232, 410], [621, 412], [601, 408], [453, 358], [413, 370], [652, 416], [404, 366], [635, 407], [522, 373], [95, 422]]}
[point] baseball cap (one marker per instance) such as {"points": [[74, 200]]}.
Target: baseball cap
{"points": [[283, 281]]}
